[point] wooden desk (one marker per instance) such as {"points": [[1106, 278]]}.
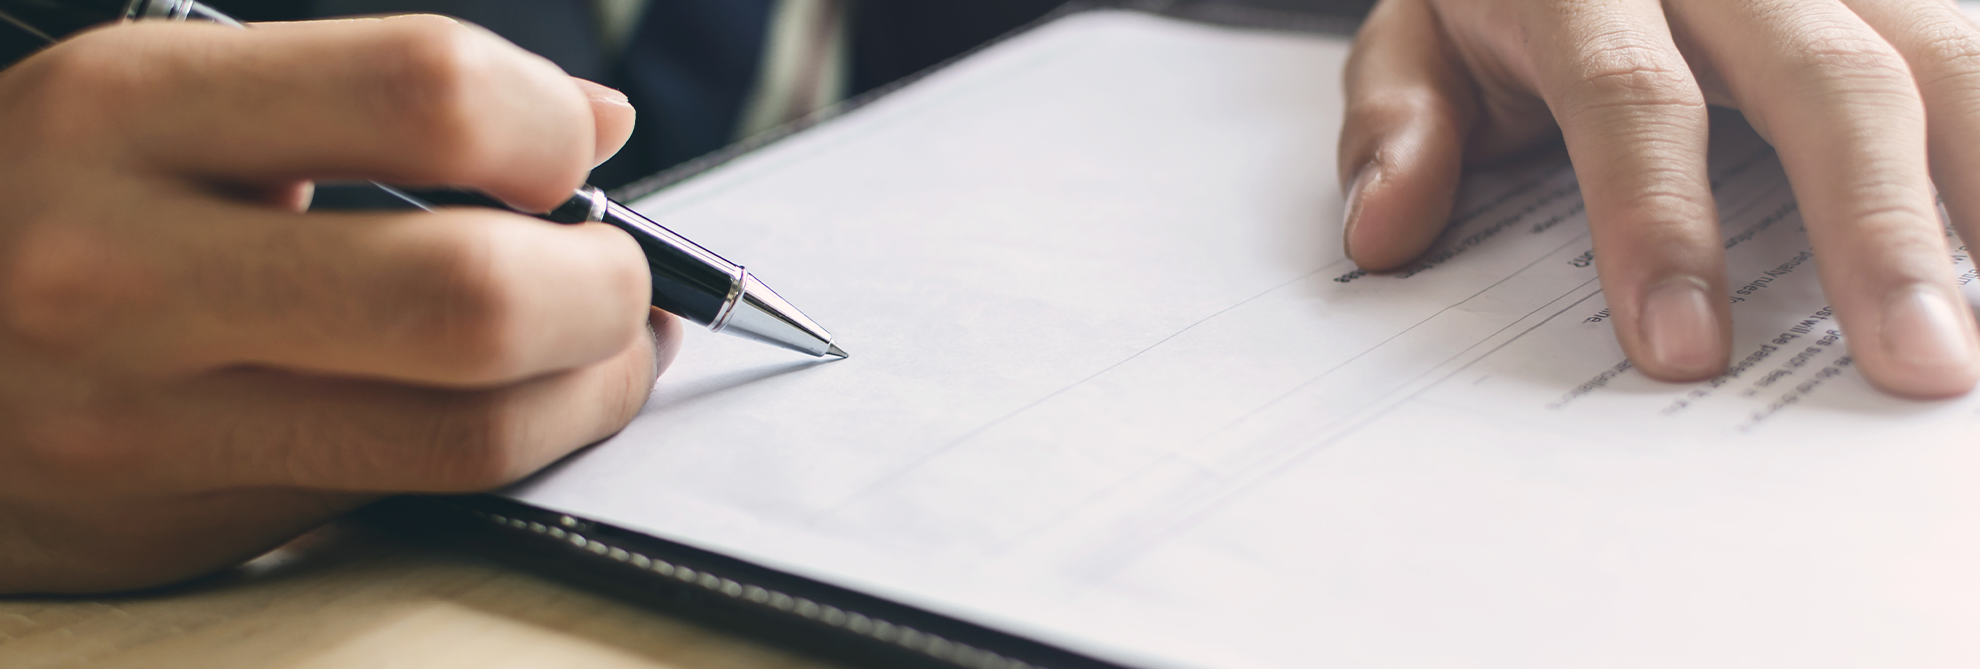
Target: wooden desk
{"points": [[350, 596]]}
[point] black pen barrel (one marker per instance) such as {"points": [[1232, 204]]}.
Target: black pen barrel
{"points": [[688, 281]]}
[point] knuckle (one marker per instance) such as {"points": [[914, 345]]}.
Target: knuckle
{"points": [[1891, 217], [1630, 73], [67, 90], [1951, 44], [1666, 206], [430, 68], [1373, 125], [478, 442], [1663, 223], [1895, 233], [1392, 107], [1884, 212], [1893, 223], [1947, 53], [470, 327], [1827, 54], [62, 289]]}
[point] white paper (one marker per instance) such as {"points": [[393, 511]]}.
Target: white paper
{"points": [[1114, 386]]}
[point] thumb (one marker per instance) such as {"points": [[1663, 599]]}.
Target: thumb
{"points": [[1410, 109]]}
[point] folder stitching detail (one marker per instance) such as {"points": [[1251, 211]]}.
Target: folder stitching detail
{"points": [[907, 637]]}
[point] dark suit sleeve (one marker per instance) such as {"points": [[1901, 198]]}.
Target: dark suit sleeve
{"points": [[16, 43], [560, 30], [896, 38]]}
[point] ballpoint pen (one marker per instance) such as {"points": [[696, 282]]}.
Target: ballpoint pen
{"points": [[688, 280]]}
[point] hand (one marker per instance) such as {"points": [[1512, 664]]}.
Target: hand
{"points": [[1841, 88], [196, 371]]}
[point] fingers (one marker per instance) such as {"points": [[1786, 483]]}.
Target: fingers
{"points": [[354, 436], [1942, 48], [1636, 127], [122, 487], [613, 116], [272, 436], [421, 101], [1401, 150], [417, 100], [1843, 111], [469, 297]]}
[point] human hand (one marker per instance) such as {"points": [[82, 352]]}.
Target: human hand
{"points": [[196, 371], [1841, 88]]}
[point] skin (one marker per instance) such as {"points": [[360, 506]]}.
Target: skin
{"points": [[197, 370], [1868, 103]]}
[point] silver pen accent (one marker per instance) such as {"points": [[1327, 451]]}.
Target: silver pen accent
{"points": [[747, 308], [688, 280], [176, 10]]}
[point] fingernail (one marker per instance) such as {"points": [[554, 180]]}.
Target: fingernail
{"points": [[611, 96], [602, 93], [1681, 329], [1351, 214], [1922, 328]]}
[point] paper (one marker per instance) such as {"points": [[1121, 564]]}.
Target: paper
{"points": [[1113, 386]]}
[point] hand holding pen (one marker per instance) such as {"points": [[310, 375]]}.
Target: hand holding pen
{"points": [[197, 370]]}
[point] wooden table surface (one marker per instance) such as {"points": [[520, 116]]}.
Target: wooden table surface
{"points": [[352, 596]]}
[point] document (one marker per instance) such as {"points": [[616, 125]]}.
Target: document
{"points": [[1114, 386]]}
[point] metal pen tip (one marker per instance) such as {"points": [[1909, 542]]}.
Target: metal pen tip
{"points": [[835, 351]]}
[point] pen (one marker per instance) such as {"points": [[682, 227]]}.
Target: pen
{"points": [[688, 281]]}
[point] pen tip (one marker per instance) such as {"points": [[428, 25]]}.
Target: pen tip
{"points": [[836, 352]]}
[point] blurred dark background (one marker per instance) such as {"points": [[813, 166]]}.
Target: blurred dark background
{"points": [[691, 63]]}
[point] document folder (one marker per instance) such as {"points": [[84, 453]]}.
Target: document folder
{"points": [[1117, 399]]}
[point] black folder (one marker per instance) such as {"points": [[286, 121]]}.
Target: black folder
{"points": [[807, 615], [1118, 399]]}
